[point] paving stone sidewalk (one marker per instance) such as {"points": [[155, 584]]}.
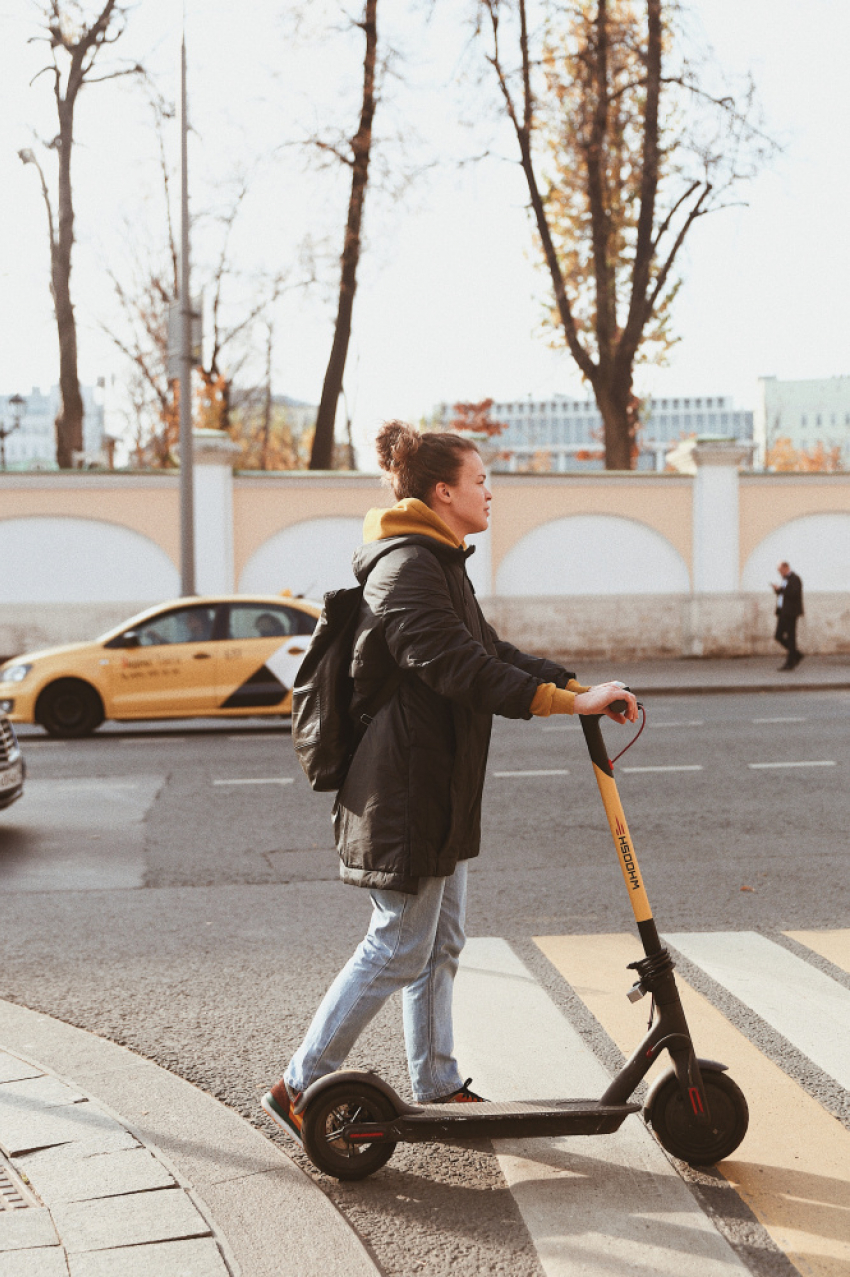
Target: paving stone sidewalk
{"points": [[704, 675], [77, 1189], [173, 1184]]}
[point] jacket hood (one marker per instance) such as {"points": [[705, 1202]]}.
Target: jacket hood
{"points": [[368, 555], [409, 522], [405, 517]]}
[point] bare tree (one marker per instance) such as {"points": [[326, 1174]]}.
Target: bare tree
{"points": [[147, 290], [357, 158], [623, 150], [74, 47]]}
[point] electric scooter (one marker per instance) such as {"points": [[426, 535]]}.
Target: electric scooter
{"points": [[352, 1120]]}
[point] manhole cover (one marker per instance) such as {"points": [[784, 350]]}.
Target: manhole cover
{"points": [[14, 1193]]}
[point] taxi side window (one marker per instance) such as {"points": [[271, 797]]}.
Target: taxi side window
{"points": [[185, 625], [261, 620]]}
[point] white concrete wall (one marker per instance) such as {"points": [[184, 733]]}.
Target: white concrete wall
{"points": [[817, 547], [213, 490], [309, 558], [69, 560], [592, 555], [586, 583]]}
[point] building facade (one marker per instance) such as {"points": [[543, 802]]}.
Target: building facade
{"points": [[557, 434], [806, 413], [33, 446]]}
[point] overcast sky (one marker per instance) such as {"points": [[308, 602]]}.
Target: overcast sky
{"points": [[448, 304]]}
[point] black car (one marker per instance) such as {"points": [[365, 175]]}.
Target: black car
{"points": [[12, 769]]}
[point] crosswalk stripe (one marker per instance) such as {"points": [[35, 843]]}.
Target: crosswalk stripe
{"points": [[593, 1206], [794, 1164], [804, 1005], [832, 945]]}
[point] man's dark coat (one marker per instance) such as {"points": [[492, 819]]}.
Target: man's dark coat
{"points": [[792, 598], [410, 806]]}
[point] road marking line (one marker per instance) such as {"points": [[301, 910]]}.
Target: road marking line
{"points": [[555, 771], [24, 741], [832, 945], [777, 720], [686, 767], [261, 739], [799, 1001], [166, 738], [793, 1167], [515, 1042], [820, 762], [694, 722], [263, 780]]}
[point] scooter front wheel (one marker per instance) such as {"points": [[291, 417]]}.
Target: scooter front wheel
{"points": [[325, 1121], [673, 1122]]}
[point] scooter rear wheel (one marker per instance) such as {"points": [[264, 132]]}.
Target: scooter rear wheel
{"points": [[326, 1117], [675, 1128]]}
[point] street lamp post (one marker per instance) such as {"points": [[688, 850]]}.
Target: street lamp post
{"points": [[16, 403], [187, 513]]}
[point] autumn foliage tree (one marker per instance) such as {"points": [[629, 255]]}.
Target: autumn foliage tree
{"points": [[475, 417], [783, 456], [623, 149]]}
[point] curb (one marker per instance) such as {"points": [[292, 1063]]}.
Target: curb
{"points": [[119, 1168], [726, 689]]}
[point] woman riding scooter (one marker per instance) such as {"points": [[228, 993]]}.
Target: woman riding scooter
{"points": [[408, 817]]}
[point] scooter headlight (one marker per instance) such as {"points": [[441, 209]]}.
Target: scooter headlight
{"points": [[14, 673]]}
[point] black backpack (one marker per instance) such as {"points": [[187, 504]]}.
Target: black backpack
{"points": [[324, 734]]}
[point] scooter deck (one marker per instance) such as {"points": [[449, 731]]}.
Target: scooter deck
{"points": [[495, 1121]]}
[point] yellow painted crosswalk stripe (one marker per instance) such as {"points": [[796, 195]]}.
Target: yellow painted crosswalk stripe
{"points": [[832, 945], [793, 1167]]}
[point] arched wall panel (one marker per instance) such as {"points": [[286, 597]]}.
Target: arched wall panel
{"points": [[592, 554], [307, 558], [62, 559], [817, 546]]}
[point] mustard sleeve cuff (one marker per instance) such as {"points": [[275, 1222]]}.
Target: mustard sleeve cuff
{"points": [[573, 686], [549, 699]]}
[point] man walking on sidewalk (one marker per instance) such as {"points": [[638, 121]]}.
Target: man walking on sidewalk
{"points": [[789, 606]]}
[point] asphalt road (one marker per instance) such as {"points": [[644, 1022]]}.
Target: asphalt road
{"points": [[163, 888]]}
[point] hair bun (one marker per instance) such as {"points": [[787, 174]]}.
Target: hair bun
{"points": [[397, 443]]}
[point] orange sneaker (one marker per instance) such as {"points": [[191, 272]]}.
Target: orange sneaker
{"points": [[280, 1106], [461, 1096]]}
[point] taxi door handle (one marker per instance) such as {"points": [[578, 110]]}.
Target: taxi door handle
{"points": [[201, 656]]}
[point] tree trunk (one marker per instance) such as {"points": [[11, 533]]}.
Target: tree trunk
{"points": [[321, 457], [69, 419], [267, 404]]}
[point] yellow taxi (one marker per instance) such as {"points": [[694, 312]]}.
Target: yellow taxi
{"points": [[224, 657]]}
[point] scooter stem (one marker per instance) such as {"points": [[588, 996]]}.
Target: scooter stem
{"points": [[604, 773]]}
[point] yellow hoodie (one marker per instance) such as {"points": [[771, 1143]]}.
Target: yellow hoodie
{"points": [[412, 516]]}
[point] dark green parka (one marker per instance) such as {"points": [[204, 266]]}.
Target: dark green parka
{"points": [[410, 806]]}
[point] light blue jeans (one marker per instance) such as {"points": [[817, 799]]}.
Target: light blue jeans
{"points": [[413, 943]]}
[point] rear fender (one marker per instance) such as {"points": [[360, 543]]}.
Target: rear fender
{"points": [[364, 1078]]}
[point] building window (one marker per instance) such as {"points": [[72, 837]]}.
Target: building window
{"points": [[817, 420]]}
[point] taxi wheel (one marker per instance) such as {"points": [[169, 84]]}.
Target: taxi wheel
{"points": [[69, 708]]}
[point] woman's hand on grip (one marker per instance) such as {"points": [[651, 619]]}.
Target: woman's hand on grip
{"points": [[598, 698]]}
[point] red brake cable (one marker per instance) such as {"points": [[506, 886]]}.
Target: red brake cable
{"points": [[634, 738]]}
